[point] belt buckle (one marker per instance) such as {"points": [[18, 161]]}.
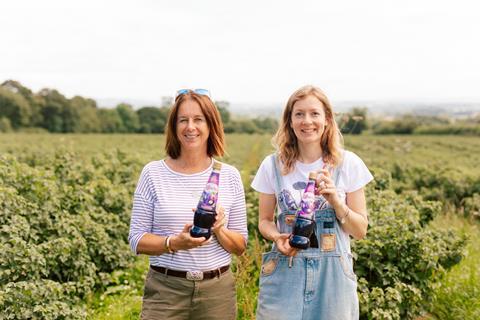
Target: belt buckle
{"points": [[195, 275]]}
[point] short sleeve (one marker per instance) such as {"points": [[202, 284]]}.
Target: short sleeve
{"points": [[356, 173], [264, 180]]}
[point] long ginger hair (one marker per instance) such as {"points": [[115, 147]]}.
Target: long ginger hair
{"points": [[216, 137], [286, 142]]}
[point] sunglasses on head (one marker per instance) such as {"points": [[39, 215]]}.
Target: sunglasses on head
{"points": [[202, 92]]}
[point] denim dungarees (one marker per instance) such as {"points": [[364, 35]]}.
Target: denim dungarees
{"points": [[320, 284]]}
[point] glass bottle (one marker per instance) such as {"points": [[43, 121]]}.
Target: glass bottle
{"points": [[205, 214], [305, 221]]}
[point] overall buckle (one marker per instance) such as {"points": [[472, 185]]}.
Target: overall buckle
{"points": [[194, 275]]}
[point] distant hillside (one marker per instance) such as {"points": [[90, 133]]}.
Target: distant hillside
{"points": [[386, 108], [460, 110]]}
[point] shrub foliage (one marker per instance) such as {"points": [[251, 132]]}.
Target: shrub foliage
{"points": [[64, 219], [64, 226]]}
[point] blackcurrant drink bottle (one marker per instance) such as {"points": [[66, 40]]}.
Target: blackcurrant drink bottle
{"points": [[205, 214], [305, 220]]}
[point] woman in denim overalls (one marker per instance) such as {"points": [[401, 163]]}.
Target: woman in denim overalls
{"points": [[318, 282]]}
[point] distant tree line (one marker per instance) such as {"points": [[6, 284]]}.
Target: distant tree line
{"points": [[417, 124], [49, 110]]}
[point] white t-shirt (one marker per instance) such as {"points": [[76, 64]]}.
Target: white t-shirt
{"points": [[353, 175]]}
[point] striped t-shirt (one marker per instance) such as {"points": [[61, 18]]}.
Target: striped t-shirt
{"points": [[163, 203]]}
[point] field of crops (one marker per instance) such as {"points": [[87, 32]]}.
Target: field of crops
{"points": [[65, 205]]}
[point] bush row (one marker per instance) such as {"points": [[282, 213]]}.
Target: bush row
{"points": [[64, 226]]}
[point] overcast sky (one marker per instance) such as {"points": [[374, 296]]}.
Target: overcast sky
{"points": [[245, 51]]}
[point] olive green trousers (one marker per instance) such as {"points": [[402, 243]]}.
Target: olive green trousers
{"points": [[169, 297]]}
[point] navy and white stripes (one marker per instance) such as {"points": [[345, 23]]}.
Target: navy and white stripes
{"points": [[163, 203]]}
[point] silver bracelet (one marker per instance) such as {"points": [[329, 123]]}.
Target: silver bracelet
{"points": [[344, 218], [167, 245]]}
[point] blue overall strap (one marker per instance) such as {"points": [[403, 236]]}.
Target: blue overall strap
{"points": [[278, 175], [336, 172], [278, 189]]}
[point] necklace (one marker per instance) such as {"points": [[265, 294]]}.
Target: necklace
{"points": [[186, 187], [194, 194]]}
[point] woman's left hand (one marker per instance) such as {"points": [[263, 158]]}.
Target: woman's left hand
{"points": [[326, 187], [220, 219]]}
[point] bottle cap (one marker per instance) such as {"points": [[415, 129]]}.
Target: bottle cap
{"points": [[312, 175], [217, 165]]}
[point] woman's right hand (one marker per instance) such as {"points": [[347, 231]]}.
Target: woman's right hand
{"points": [[184, 241], [283, 245]]}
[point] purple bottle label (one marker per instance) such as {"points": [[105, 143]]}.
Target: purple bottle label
{"points": [[208, 201], [307, 204]]}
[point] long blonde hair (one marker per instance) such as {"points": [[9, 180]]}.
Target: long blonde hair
{"points": [[286, 142]]}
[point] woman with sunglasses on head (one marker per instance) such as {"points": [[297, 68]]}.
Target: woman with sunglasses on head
{"points": [[316, 282], [189, 277]]}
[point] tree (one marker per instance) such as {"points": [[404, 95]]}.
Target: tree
{"points": [[354, 122], [35, 113], [87, 116], [14, 107], [223, 109], [403, 125], [110, 121], [266, 125], [52, 117], [129, 117], [152, 119], [57, 116], [241, 126]]}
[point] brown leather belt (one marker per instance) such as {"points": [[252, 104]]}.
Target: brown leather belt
{"points": [[192, 275]]}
